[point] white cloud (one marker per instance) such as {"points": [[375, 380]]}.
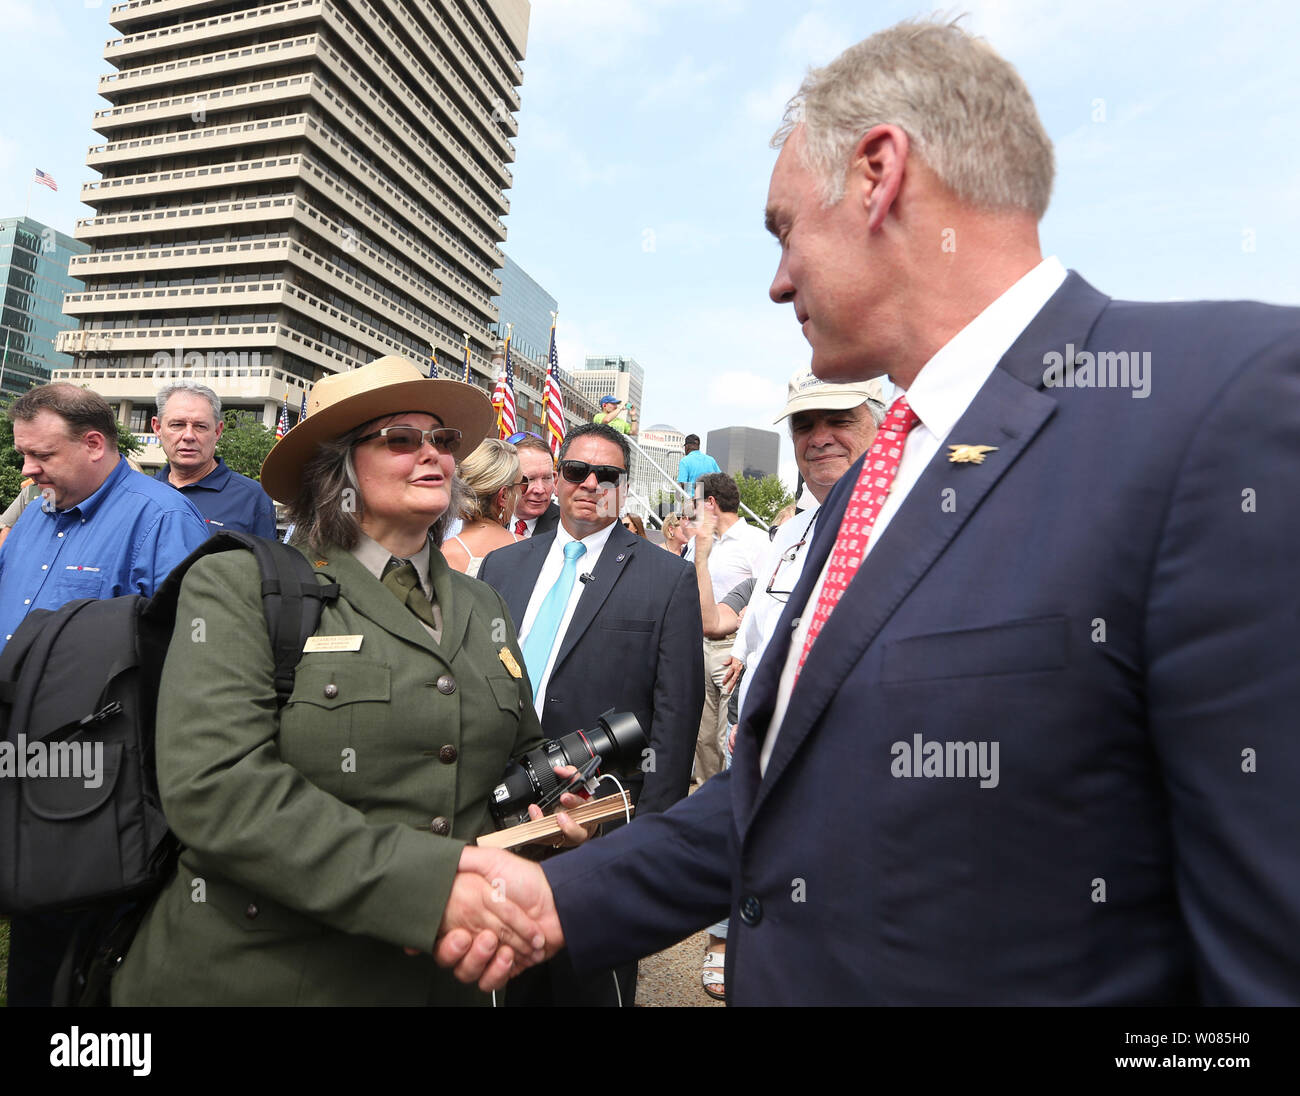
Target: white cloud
{"points": [[745, 391], [682, 84]]}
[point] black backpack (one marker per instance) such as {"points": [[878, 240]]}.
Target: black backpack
{"points": [[88, 674]]}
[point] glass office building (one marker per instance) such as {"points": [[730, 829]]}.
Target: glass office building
{"points": [[528, 306], [34, 273]]}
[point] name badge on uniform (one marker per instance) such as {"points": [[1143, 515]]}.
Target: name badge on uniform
{"points": [[508, 660], [332, 643]]}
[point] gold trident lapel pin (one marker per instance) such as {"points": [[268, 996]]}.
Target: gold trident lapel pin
{"points": [[969, 454]]}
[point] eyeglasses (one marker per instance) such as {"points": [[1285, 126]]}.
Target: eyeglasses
{"points": [[515, 439], [410, 439], [788, 556], [607, 475]]}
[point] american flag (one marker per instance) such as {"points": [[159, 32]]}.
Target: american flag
{"points": [[45, 180], [282, 427], [506, 414], [552, 399], [302, 411]]}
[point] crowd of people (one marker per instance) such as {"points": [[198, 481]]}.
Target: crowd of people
{"points": [[1088, 587]]}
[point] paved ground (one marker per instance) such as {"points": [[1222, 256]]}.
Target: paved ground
{"points": [[671, 979]]}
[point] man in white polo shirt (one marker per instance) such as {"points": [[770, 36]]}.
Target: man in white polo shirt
{"points": [[733, 555]]}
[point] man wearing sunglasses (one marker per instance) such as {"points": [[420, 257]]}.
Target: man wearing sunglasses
{"points": [[606, 620]]}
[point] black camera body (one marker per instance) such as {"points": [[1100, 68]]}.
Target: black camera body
{"points": [[616, 740]]}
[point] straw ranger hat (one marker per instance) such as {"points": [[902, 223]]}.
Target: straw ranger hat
{"points": [[343, 401]]}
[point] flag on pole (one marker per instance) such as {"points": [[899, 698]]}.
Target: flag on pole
{"points": [[282, 427], [45, 180], [433, 363], [468, 377], [506, 411], [552, 399], [302, 411]]}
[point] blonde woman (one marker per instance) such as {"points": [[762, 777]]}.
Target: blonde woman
{"points": [[675, 536], [492, 482]]}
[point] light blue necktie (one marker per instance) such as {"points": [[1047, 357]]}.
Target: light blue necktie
{"points": [[541, 637]]}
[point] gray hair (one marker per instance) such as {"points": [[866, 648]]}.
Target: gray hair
{"points": [[877, 410], [965, 110], [193, 388], [328, 507]]}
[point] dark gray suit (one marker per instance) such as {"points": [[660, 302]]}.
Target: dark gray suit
{"points": [[634, 644]]}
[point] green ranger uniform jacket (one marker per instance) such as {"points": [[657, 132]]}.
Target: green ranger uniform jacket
{"points": [[322, 839]]}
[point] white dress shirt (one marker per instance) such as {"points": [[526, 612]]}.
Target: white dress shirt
{"points": [[550, 573], [780, 568], [943, 390]]}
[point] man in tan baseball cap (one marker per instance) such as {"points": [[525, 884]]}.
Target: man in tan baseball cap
{"points": [[831, 425]]}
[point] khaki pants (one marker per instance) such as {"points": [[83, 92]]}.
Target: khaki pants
{"points": [[709, 758]]}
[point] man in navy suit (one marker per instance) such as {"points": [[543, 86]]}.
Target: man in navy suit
{"points": [[1042, 748], [628, 637]]}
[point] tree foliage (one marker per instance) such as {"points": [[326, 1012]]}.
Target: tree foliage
{"points": [[765, 497], [244, 443]]}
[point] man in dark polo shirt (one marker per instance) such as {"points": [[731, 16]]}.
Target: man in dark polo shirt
{"points": [[188, 425]]}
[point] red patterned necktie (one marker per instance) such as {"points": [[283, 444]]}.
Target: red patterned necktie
{"points": [[521, 527], [869, 494]]}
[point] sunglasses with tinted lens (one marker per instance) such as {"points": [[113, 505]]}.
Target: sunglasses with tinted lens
{"points": [[410, 439], [577, 471]]}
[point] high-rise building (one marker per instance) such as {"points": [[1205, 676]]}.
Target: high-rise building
{"points": [[291, 189], [745, 451], [34, 274], [612, 375]]}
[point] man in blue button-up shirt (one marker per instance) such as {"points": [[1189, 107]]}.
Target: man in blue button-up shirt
{"points": [[188, 425], [99, 531]]}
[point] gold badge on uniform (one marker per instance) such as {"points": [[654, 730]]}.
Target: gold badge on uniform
{"points": [[508, 660], [969, 454]]}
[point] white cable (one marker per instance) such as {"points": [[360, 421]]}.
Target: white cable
{"points": [[627, 810]]}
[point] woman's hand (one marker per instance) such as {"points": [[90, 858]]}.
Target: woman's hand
{"points": [[571, 833]]}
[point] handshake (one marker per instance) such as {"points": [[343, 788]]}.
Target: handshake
{"points": [[500, 918]]}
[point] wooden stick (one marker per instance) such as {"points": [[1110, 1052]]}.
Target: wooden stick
{"points": [[598, 810]]}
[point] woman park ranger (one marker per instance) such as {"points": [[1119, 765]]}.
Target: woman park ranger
{"points": [[321, 841]]}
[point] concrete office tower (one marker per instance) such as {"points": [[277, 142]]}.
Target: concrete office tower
{"points": [[291, 189], [33, 279], [612, 375], [743, 450]]}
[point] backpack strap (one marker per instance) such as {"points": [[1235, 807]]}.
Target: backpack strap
{"points": [[292, 598]]}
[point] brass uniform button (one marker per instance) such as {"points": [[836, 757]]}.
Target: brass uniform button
{"points": [[252, 911], [440, 826], [331, 691], [447, 755], [446, 684]]}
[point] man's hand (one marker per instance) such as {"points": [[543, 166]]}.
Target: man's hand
{"points": [[733, 667], [706, 524], [516, 883], [572, 834]]}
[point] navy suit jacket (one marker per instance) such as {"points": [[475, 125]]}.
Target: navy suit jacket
{"points": [[549, 519], [1112, 598], [635, 643]]}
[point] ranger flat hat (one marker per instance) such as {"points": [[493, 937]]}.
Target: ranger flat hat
{"points": [[342, 401], [808, 393]]}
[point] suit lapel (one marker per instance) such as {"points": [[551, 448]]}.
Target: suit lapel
{"points": [[615, 556], [517, 584], [1007, 412]]}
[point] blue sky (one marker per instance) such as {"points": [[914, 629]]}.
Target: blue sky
{"points": [[643, 161]]}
